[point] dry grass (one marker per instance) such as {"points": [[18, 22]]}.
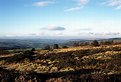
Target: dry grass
{"points": [[99, 60]]}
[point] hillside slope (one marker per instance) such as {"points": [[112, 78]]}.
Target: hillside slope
{"points": [[75, 64]]}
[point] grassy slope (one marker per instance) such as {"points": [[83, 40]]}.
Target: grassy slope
{"points": [[102, 60]]}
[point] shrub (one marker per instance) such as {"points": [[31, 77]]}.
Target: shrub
{"points": [[47, 47], [20, 56], [76, 44], [55, 46], [84, 43], [107, 42], [4, 52], [33, 49], [64, 46], [95, 43]]}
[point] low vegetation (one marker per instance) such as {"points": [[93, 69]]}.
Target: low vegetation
{"points": [[94, 63]]}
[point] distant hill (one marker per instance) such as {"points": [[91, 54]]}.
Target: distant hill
{"points": [[40, 43], [27, 43], [115, 38]]}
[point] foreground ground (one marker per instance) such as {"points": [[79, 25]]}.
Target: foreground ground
{"points": [[76, 64]]}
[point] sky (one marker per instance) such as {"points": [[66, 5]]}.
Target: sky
{"points": [[77, 18]]}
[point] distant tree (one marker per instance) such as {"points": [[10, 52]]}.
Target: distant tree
{"points": [[55, 46], [28, 53], [95, 43], [47, 47], [76, 44], [33, 49], [64, 46]]}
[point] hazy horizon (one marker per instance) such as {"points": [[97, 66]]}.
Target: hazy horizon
{"points": [[56, 37]]}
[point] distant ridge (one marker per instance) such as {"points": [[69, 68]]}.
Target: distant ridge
{"points": [[114, 38]]}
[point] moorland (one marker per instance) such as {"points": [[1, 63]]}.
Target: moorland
{"points": [[93, 61]]}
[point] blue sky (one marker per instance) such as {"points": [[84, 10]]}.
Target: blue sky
{"points": [[85, 18]]}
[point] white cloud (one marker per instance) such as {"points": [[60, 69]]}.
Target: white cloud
{"points": [[119, 7], [82, 2], [85, 29], [54, 28], [80, 5], [43, 3], [107, 33], [100, 34], [114, 3], [73, 9], [112, 33]]}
